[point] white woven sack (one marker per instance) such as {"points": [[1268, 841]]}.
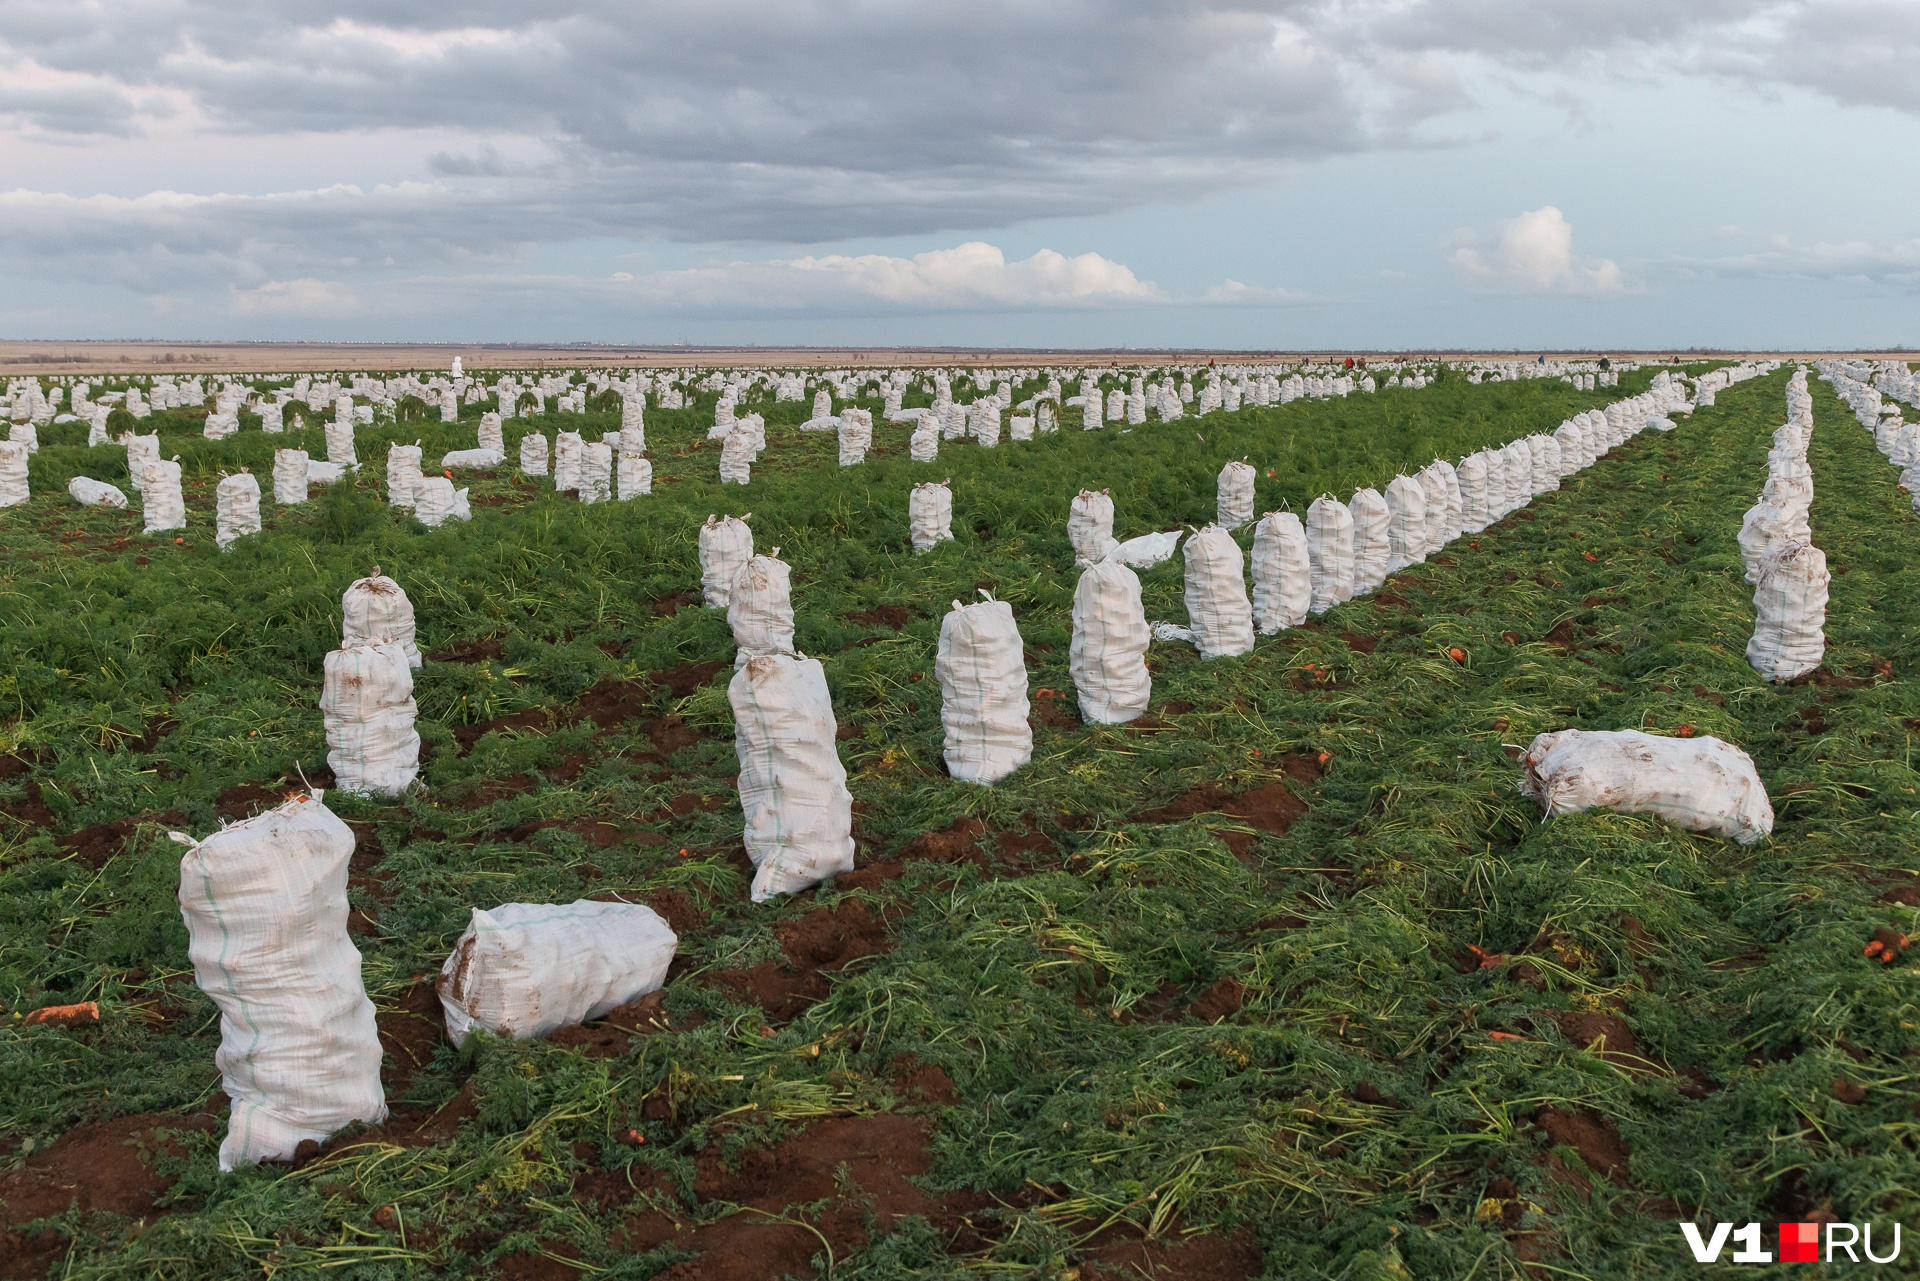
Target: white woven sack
{"points": [[567, 450], [633, 476], [1020, 426], [142, 451], [725, 545], [1768, 525], [1572, 448], [1218, 611], [490, 437], [236, 509], [953, 422], [533, 454], [923, 446], [26, 434], [1406, 523], [736, 456], [403, 474], [1330, 552], [289, 476], [13, 473], [367, 704], [1233, 501], [525, 970], [1370, 543], [1147, 550], [1107, 657], [983, 422], [1702, 784], [474, 459], [265, 903], [930, 514], [1282, 573], [1433, 495], [89, 492], [340, 444], [161, 505], [1546, 463], [793, 789], [760, 608], [1519, 475], [433, 501], [1790, 612], [596, 473], [1045, 423], [1090, 526], [856, 436], [375, 611], [982, 670], [1476, 512]]}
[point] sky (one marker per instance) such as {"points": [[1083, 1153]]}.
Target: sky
{"points": [[1366, 174]]}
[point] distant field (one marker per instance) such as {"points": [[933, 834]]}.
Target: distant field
{"points": [[1284, 979]]}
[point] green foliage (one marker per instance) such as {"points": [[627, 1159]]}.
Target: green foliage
{"points": [[1356, 1114]]}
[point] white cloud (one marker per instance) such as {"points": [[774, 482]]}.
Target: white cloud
{"points": [[1231, 293], [1856, 261], [1533, 254], [304, 297]]}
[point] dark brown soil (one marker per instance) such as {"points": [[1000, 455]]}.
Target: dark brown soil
{"points": [[410, 1035], [1360, 644], [1271, 807], [683, 680], [1203, 1257], [527, 718], [1222, 1000], [1563, 637], [1585, 1027], [522, 1265], [609, 1037], [816, 945], [890, 616], [96, 1167], [95, 845], [957, 843], [595, 832], [469, 651], [1593, 1137], [613, 703], [672, 603], [1825, 679], [248, 799], [498, 789], [859, 1169], [30, 809]]}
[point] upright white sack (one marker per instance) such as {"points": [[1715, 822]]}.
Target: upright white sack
{"points": [[596, 473], [930, 514], [1090, 527], [13, 473], [490, 437], [525, 970], [982, 670], [1790, 607], [236, 509], [1108, 655], [1769, 524], [1233, 497], [1406, 524], [567, 450], [633, 476], [1433, 488], [290, 476], [142, 452], [161, 506], [760, 608], [736, 456], [725, 545], [533, 454], [1282, 573], [265, 904], [403, 474], [375, 611], [923, 446], [856, 436], [1702, 784], [1330, 551], [435, 501], [1371, 546], [793, 788], [1476, 508], [339, 436], [1217, 607], [367, 704], [89, 492]]}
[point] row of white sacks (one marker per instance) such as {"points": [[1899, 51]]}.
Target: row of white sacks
{"points": [[1895, 438], [1788, 572]]}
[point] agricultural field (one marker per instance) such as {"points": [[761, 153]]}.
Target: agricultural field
{"points": [[1283, 979]]}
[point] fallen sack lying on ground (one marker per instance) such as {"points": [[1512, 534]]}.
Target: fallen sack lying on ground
{"points": [[89, 492], [524, 970], [265, 903], [1147, 550], [1701, 784]]}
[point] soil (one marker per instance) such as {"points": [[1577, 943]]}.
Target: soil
{"points": [[672, 603], [1222, 1000], [1825, 679], [890, 616], [817, 944], [1593, 1137], [1271, 807], [248, 799], [1563, 637], [956, 843], [1360, 644], [523, 1265], [529, 718], [1202, 1257], [683, 680], [858, 1168], [31, 809], [97, 1167], [498, 789], [470, 651], [610, 1035], [1584, 1027], [600, 835], [410, 1035], [613, 703], [922, 1083]]}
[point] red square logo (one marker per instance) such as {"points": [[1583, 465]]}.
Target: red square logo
{"points": [[1799, 1243]]}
